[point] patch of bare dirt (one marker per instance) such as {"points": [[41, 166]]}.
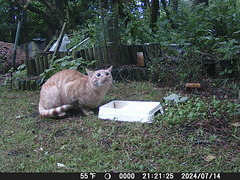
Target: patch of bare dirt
{"points": [[6, 55]]}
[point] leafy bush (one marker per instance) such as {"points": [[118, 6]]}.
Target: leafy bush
{"points": [[176, 67], [213, 32], [66, 62], [21, 73], [208, 110]]}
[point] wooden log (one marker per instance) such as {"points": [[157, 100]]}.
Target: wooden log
{"points": [[26, 61], [90, 53], [45, 60], [49, 57], [132, 54], [79, 54], [19, 84], [33, 85], [44, 66], [23, 85], [69, 53], [192, 85], [74, 54], [101, 53], [37, 66], [27, 85], [95, 55], [86, 55], [111, 59], [62, 54], [83, 54], [124, 55], [41, 64], [32, 67]]}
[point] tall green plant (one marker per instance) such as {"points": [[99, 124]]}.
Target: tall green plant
{"points": [[66, 62]]}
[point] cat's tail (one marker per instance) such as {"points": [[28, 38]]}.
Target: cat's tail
{"points": [[55, 112]]}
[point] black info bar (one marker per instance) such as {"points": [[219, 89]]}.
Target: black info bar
{"points": [[122, 176]]}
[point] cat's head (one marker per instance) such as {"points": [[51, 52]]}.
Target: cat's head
{"points": [[100, 77]]}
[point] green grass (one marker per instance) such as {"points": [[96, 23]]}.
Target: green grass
{"points": [[200, 135]]}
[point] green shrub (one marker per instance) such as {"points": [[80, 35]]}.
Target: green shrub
{"points": [[66, 62], [196, 109]]}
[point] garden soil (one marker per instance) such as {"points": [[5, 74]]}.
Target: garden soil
{"points": [[6, 55]]}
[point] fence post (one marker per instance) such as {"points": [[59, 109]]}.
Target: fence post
{"points": [[37, 66], [90, 53], [95, 55], [86, 54], [26, 60], [74, 54], [49, 57], [41, 63], [83, 53], [32, 65], [45, 62]]}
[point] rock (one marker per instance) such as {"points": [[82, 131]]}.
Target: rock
{"points": [[61, 165], [172, 97], [176, 98], [183, 99]]}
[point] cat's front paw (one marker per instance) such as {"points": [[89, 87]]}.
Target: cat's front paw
{"points": [[87, 112]]}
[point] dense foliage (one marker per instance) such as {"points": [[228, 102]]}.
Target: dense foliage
{"points": [[211, 27]]}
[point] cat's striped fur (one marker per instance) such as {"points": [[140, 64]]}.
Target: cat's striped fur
{"points": [[71, 89]]}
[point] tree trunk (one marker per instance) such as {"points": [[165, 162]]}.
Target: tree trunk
{"points": [[154, 15], [105, 4], [53, 14], [104, 31], [116, 32], [146, 3], [175, 5], [168, 14]]}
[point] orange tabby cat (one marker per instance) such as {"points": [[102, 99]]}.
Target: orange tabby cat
{"points": [[71, 89]]}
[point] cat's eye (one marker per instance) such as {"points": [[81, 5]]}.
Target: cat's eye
{"points": [[107, 73], [98, 74]]}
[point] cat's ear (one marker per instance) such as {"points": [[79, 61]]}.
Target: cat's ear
{"points": [[110, 69], [89, 73]]}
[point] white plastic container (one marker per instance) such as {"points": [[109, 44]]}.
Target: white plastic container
{"points": [[130, 111]]}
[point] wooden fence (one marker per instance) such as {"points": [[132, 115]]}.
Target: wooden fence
{"points": [[125, 56]]}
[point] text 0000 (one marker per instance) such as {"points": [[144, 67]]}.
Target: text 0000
{"points": [[126, 176]]}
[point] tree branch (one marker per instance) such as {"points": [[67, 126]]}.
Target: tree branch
{"points": [[168, 14]]}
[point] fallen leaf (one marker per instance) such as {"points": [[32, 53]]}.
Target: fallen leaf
{"points": [[210, 157], [61, 165]]}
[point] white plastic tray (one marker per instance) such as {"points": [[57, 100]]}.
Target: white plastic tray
{"points": [[130, 111]]}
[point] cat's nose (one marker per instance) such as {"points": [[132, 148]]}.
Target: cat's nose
{"points": [[104, 78]]}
